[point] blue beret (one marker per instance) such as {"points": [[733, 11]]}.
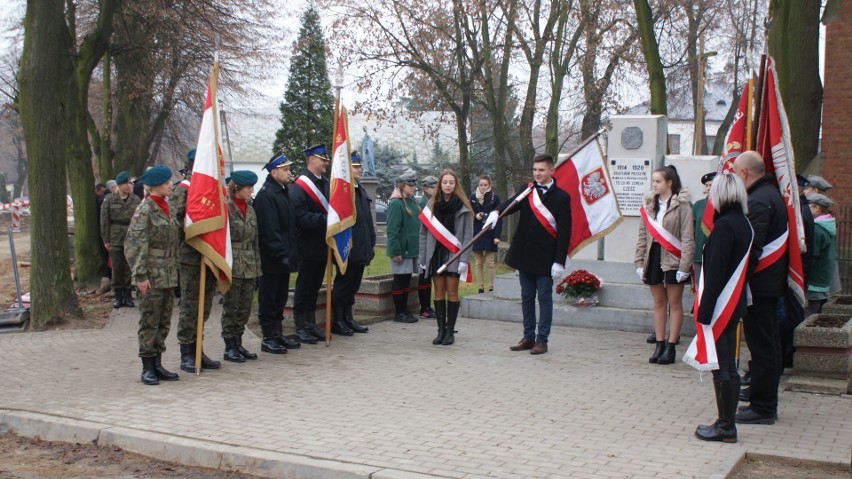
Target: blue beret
{"points": [[156, 176], [190, 155], [122, 177], [244, 178], [355, 159], [278, 160], [227, 179], [318, 150]]}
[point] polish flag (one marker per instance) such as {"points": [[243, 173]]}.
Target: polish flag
{"points": [[341, 197]]}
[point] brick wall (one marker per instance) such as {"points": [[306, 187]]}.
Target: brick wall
{"points": [[837, 107]]}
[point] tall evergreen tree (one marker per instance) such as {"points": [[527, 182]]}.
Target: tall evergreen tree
{"points": [[307, 112]]}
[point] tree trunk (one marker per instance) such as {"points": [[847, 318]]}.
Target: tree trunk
{"points": [[105, 149], [559, 69], [45, 68], [794, 44], [651, 49]]}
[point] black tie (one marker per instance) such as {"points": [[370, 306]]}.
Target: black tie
{"points": [[542, 189]]}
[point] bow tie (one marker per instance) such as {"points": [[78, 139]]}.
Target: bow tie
{"points": [[542, 188]]}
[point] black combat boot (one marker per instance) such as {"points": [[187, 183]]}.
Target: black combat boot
{"points": [[149, 376], [311, 325], [284, 340], [349, 319], [411, 318], [668, 356], [245, 352], [724, 429], [187, 357], [452, 314], [338, 325], [658, 351], [161, 372], [232, 353], [302, 334], [269, 343], [119, 298], [441, 317], [128, 298], [207, 363], [400, 307]]}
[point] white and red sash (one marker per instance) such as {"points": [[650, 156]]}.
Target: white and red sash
{"points": [[772, 251], [313, 192], [442, 235], [184, 183], [667, 240], [542, 214], [701, 353]]}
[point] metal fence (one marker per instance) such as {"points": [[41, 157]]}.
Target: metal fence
{"points": [[843, 217]]}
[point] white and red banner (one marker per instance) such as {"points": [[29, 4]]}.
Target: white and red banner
{"points": [[594, 208], [701, 353], [667, 240], [341, 196], [773, 143], [542, 214], [443, 236], [314, 193], [206, 221]]}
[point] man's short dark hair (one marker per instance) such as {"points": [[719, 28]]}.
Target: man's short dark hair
{"points": [[100, 185], [543, 157]]}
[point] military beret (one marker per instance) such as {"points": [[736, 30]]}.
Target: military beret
{"points": [[243, 178], [122, 177], [708, 177], [227, 179], [802, 181], [355, 158], [155, 176], [408, 179], [190, 156], [429, 182], [318, 150], [277, 161], [819, 183], [819, 199]]}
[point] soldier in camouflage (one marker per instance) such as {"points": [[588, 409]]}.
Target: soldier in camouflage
{"points": [[190, 281], [246, 265], [116, 211], [151, 249]]}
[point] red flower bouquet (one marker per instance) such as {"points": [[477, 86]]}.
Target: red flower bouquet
{"points": [[578, 284]]}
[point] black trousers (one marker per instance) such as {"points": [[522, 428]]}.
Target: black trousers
{"points": [[272, 298], [790, 315], [308, 284], [346, 285], [726, 351], [761, 330]]}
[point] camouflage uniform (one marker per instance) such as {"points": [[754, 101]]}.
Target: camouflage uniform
{"points": [[190, 275], [245, 270], [116, 214], [151, 249]]}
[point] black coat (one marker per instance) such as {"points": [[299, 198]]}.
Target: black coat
{"points": [[364, 232], [808, 224], [276, 228], [533, 250], [725, 247], [768, 217], [491, 202], [310, 220]]}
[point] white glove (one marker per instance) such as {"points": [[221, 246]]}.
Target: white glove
{"points": [[422, 267], [462, 270], [639, 272], [681, 277], [491, 220], [556, 270]]}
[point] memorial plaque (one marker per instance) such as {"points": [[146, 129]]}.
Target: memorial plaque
{"points": [[631, 179], [632, 138]]}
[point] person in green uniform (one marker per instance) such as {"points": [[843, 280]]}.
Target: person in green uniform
{"points": [[824, 252], [403, 230], [246, 265], [151, 249], [116, 211], [190, 281]]}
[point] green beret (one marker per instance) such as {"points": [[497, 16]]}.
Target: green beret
{"points": [[156, 176], [122, 177], [243, 178], [190, 155]]}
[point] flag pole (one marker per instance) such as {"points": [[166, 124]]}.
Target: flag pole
{"points": [[338, 86]]}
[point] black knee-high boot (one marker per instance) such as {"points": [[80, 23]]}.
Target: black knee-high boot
{"points": [[452, 314], [725, 428], [441, 317]]}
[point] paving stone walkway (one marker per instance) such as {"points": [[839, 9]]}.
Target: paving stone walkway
{"points": [[591, 407]]}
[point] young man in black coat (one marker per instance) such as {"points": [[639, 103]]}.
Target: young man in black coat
{"points": [[310, 201], [537, 251], [276, 238], [767, 214], [362, 252]]}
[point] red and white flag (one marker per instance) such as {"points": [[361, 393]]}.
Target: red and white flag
{"points": [[773, 143], [341, 197], [206, 221], [594, 208]]}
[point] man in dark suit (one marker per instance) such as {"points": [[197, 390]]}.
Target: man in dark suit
{"points": [[539, 249]]}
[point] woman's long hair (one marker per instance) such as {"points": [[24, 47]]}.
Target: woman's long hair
{"points": [[400, 186], [669, 173], [439, 195]]}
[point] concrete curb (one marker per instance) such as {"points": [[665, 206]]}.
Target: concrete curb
{"points": [[191, 452]]}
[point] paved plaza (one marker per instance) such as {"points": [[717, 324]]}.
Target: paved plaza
{"points": [[389, 404]]}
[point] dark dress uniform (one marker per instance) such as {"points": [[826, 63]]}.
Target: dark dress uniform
{"points": [[116, 214], [313, 254], [244, 274], [362, 252], [190, 281]]}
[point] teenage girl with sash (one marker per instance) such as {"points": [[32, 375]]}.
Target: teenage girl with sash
{"points": [[664, 254]]}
